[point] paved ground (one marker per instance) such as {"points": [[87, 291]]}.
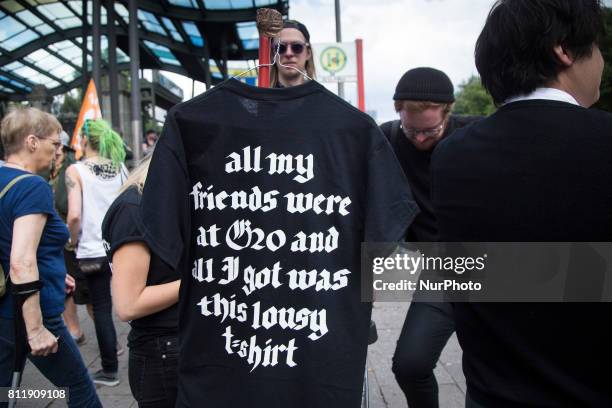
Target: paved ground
{"points": [[384, 392]]}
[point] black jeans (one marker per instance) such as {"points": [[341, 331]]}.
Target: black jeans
{"points": [[426, 331], [153, 372], [100, 294]]}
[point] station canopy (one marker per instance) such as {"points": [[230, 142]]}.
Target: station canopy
{"points": [[41, 41]]}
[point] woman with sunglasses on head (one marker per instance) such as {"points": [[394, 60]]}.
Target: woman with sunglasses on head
{"points": [[32, 238], [295, 53], [145, 293], [92, 186]]}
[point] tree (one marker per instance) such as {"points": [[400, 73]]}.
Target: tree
{"points": [[473, 99], [71, 103], [605, 99], [67, 108]]}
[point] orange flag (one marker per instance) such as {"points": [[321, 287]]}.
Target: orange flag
{"points": [[90, 109]]}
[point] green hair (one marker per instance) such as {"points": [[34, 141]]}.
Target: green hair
{"points": [[104, 140]]}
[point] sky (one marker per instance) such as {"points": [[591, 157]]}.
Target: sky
{"points": [[397, 35]]}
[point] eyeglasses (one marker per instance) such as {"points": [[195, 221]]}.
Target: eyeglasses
{"points": [[430, 132], [57, 143], [296, 47]]}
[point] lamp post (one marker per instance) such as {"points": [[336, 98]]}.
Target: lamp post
{"points": [[339, 39]]}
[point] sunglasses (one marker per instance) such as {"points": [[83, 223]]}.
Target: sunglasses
{"points": [[296, 47]]}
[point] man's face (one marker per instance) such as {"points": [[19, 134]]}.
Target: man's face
{"points": [[587, 74], [151, 137], [424, 129], [289, 37]]}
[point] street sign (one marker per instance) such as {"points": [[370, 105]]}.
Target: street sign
{"points": [[341, 62], [336, 62]]}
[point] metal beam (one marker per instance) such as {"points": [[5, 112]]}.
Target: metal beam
{"points": [[33, 66], [96, 36], [62, 58], [45, 19], [19, 79], [135, 115], [224, 53], [193, 51], [84, 34], [62, 89], [13, 87], [78, 32], [208, 16], [208, 79], [112, 63]]}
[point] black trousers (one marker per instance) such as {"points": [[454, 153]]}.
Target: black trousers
{"points": [[153, 372], [426, 331], [102, 304]]}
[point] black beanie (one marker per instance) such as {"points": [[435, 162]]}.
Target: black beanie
{"points": [[425, 84], [298, 26]]}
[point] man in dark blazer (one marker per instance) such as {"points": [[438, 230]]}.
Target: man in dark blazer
{"points": [[539, 169]]}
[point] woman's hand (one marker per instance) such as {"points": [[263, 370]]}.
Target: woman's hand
{"points": [[70, 284], [42, 341]]}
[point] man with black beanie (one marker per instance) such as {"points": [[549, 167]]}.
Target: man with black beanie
{"points": [[424, 99], [537, 170]]}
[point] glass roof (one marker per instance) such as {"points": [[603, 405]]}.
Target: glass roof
{"points": [[26, 23], [172, 29], [34, 76], [5, 81], [150, 22], [14, 34], [193, 33], [60, 15], [228, 4], [249, 36], [53, 65], [184, 3], [122, 12], [162, 52]]}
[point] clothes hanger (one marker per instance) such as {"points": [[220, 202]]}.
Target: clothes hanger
{"points": [[275, 60]]}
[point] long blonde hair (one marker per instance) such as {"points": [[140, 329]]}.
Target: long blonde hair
{"points": [[138, 176]]}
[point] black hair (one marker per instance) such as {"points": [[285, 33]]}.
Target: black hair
{"points": [[514, 52]]}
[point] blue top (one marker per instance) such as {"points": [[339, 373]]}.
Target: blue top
{"points": [[33, 195]]}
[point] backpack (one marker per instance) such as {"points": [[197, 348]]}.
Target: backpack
{"points": [[10, 184]]}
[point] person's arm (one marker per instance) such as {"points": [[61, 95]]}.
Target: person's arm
{"points": [[75, 199], [27, 231], [132, 297]]}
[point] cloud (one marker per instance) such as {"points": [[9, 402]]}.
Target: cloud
{"points": [[399, 35]]}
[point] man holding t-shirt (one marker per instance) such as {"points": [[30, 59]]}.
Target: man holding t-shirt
{"points": [[270, 194], [538, 169], [424, 99]]}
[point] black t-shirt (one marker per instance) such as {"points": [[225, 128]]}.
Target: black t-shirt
{"points": [[416, 165], [122, 224], [262, 197], [533, 171]]}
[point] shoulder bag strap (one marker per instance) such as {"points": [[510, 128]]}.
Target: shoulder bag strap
{"points": [[12, 183]]}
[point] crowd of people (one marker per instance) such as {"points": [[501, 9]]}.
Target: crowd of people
{"points": [[538, 169]]}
